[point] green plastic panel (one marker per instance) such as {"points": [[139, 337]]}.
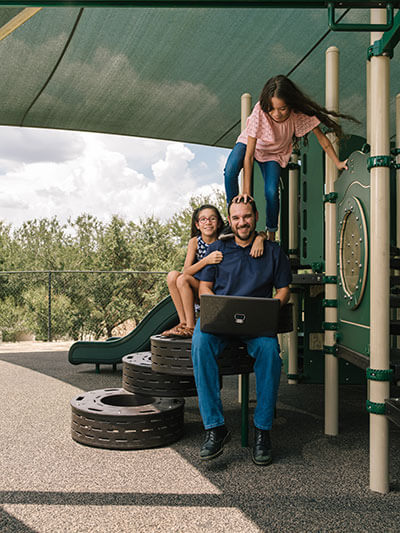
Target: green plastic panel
{"points": [[160, 318], [311, 203], [353, 208]]}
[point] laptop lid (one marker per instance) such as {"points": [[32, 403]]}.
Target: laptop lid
{"points": [[239, 315]]}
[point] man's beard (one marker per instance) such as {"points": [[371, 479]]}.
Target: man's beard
{"points": [[250, 231]]}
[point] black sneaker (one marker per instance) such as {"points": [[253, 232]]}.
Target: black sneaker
{"points": [[213, 446], [226, 232], [261, 453]]}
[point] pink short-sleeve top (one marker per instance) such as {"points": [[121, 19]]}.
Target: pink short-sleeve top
{"points": [[274, 139]]}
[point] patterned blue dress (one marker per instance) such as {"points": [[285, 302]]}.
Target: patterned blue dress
{"points": [[202, 248], [201, 251]]}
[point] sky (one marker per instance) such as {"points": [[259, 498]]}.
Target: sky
{"points": [[46, 173]]}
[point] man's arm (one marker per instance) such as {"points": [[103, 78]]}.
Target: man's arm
{"points": [[205, 287], [283, 294]]}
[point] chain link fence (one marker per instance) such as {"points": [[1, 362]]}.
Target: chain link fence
{"points": [[76, 305]]}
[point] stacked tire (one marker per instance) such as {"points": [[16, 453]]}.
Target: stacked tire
{"points": [[148, 411]]}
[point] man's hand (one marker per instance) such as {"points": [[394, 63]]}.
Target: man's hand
{"points": [[214, 258], [243, 198], [282, 294]]}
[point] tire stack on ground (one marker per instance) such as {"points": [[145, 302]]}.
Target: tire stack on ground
{"points": [[148, 411]]}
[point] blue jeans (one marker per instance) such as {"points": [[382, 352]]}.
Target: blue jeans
{"points": [[267, 367], [271, 172]]}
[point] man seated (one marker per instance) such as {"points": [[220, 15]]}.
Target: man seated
{"points": [[239, 274]]}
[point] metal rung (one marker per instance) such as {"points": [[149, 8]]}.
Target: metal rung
{"points": [[334, 26], [356, 358], [308, 279]]}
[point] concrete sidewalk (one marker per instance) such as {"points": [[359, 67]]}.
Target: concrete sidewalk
{"points": [[49, 483]]}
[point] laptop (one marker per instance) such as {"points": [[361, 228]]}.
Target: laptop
{"points": [[239, 315]]}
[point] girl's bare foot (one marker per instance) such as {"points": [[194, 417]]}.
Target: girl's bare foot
{"points": [[271, 235]]}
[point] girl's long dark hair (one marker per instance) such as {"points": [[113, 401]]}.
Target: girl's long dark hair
{"points": [[283, 88], [195, 218]]}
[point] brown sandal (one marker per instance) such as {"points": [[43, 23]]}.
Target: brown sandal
{"points": [[183, 332], [173, 331]]}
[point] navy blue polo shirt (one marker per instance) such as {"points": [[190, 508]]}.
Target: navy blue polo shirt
{"points": [[239, 274]]}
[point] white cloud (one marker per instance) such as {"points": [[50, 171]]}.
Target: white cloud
{"points": [[221, 162], [25, 145], [102, 181]]}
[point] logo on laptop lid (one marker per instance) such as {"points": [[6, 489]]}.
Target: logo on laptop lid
{"points": [[239, 318]]}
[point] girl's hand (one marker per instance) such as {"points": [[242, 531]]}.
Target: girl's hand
{"points": [[258, 245], [342, 165], [214, 258], [246, 198]]}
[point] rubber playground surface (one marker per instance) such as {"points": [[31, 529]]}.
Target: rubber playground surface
{"points": [[49, 483]]}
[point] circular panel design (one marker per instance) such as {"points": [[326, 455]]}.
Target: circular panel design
{"points": [[353, 252]]}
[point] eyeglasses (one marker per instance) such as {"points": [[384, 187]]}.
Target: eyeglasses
{"points": [[212, 218]]}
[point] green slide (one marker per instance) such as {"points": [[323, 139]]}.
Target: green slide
{"points": [[163, 316]]}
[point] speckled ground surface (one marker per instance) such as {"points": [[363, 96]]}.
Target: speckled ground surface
{"points": [[49, 483]]}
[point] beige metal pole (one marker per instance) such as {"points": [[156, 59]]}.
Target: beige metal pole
{"points": [[331, 173], [17, 21], [379, 261], [368, 84], [245, 110], [377, 16], [293, 245]]}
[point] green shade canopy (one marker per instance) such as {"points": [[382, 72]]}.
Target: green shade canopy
{"points": [[171, 73]]}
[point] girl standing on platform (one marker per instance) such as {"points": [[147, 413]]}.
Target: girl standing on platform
{"points": [[282, 114], [183, 287]]}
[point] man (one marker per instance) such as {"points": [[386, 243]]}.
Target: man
{"points": [[240, 274]]}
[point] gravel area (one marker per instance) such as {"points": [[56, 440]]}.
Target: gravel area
{"points": [[49, 483]]}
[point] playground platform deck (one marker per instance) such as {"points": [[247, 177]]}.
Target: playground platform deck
{"points": [[49, 483]]}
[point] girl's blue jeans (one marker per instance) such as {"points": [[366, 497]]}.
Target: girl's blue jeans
{"points": [[267, 367], [271, 172]]}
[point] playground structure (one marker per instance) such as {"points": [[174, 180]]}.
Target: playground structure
{"points": [[357, 323]]}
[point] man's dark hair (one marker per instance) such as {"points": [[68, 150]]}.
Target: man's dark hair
{"points": [[241, 201]]}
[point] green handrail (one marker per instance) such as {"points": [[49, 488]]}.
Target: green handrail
{"points": [[334, 26]]}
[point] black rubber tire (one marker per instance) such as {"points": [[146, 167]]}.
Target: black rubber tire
{"points": [[173, 356], [138, 377], [119, 420]]}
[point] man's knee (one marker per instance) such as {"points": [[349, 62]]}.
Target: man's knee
{"points": [[266, 344], [265, 347]]}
